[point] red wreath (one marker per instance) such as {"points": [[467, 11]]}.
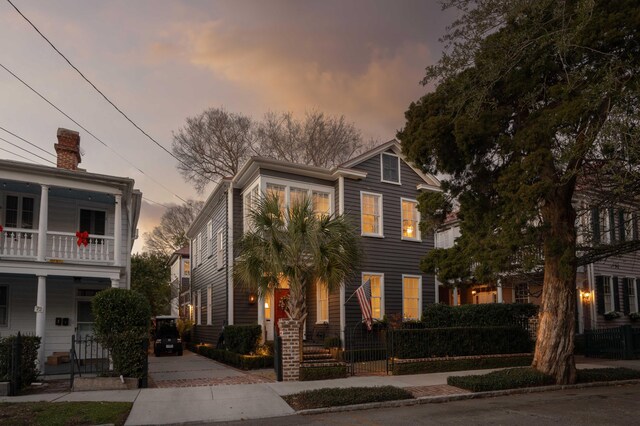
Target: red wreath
{"points": [[83, 238]]}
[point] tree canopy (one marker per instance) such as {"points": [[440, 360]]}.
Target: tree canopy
{"points": [[534, 100], [171, 234], [150, 276]]}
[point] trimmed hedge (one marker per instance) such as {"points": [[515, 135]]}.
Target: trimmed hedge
{"points": [[242, 339], [511, 378], [444, 365], [487, 314], [334, 397], [459, 341], [588, 375], [323, 373], [364, 355], [241, 361], [28, 367]]}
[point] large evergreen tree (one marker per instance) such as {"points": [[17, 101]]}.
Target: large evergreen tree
{"points": [[533, 100]]}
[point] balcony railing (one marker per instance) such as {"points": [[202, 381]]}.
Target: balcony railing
{"points": [[62, 246]]}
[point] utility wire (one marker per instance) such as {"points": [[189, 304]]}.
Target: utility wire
{"points": [[26, 150], [155, 202], [30, 143], [89, 132], [18, 155], [100, 92]]}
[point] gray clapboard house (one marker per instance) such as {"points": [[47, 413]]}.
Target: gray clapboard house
{"points": [[377, 191], [48, 275]]}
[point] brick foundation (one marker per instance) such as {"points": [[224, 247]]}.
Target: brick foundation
{"points": [[291, 350]]}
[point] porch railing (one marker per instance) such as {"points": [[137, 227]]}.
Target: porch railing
{"points": [[64, 246], [19, 243]]}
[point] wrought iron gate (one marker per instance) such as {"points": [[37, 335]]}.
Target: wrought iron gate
{"points": [[366, 351]]}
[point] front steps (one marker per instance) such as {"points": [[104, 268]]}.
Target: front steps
{"points": [[315, 355]]}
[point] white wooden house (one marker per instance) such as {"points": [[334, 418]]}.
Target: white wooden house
{"points": [[48, 276]]}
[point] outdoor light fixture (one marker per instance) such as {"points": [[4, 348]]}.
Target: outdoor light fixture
{"points": [[473, 292], [266, 305], [252, 298], [585, 295]]}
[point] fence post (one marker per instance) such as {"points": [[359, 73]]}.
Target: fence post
{"points": [[144, 380], [626, 333], [72, 353], [277, 355]]}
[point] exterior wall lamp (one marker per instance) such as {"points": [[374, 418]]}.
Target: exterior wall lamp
{"points": [[252, 298], [585, 296]]}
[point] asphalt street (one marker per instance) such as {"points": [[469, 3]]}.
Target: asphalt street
{"points": [[611, 405]]}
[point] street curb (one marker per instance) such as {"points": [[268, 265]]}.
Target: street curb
{"points": [[461, 397]]}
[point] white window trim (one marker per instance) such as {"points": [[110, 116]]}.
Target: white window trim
{"points": [[209, 300], [199, 307], [381, 275], [319, 290], [220, 248], [36, 210], [7, 307], [209, 238], [399, 182], [245, 210], [607, 280], [626, 280], [310, 188], [515, 293], [380, 217], [419, 277], [418, 232]]}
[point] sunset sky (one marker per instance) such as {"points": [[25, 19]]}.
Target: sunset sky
{"points": [[162, 61]]}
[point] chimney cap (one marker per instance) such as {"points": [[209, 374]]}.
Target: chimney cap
{"points": [[63, 131]]}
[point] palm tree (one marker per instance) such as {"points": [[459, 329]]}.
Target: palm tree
{"points": [[297, 246]]}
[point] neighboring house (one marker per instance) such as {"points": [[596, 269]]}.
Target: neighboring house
{"points": [[603, 287], [376, 190], [47, 279], [180, 267]]}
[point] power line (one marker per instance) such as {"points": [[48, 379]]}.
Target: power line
{"points": [[89, 132], [26, 150], [18, 155], [155, 202], [30, 143], [99, 91]]}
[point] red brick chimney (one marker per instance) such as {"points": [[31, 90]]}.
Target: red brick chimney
{"points": [[68, 149]]}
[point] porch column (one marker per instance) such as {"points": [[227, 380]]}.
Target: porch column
{"points": [[115, 283], [437, 293], [455, 296], [41, 315], [117, 232], [43, 222], [499, 288]]}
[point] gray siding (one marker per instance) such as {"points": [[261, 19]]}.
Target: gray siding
{"points": [[243, 312], [390, 255], [209, 273]]}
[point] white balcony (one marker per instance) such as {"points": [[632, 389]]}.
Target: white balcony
{"points": [[22, 244]]}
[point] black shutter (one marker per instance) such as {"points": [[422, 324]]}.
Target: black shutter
{"points": [[625, 294], [595, 224], [612, 225], [616, 294], [600, 294], [621, 224]]}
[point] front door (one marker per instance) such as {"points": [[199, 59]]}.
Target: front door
{"points": [[279, 305]]}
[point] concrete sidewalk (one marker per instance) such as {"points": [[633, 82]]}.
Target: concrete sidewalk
{"points": [[250, 401]]}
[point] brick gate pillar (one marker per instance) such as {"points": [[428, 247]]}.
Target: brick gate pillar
{"points": [[290, 334]]}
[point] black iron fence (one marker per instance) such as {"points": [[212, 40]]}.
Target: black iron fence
{"points": [[366, 351], [10, 365], [616, 343]]}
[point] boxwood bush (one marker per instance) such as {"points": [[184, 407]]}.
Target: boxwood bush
{"points": [[333, 397], [511, 378], [122, 319], [28, 366], [242, 339], [323, 373], [243, 362], [487, 314], [443, 365], [459, 341], [588, 375]]}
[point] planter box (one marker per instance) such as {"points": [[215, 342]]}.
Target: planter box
{"points": [[103, 383]]}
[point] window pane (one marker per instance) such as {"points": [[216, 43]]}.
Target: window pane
{"points": [[390, 171], [27, 212], [100, 222], [376, 295], [278, 192], [411, 297], [84, 311], [3, 296], [11, 212], [296, 195], [370, 214], [409, 219], [321, 205], [267, 306]]}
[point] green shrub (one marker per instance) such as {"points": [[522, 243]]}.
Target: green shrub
{"points": [[242, 339], [332, 342], [444, 365], [487, 314], [333, 397], [243, 362], [459, 341], [122, 326], [364, 355], [323, 373], [588, 375], [28, 368], [511, 378]]}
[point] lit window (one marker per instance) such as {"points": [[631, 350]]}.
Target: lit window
{"points": [[322, 292], [371, 205], [390, 168], [321, 203], [277, 191], [267, 306], [377, 292], [411, 297], [410, 220], [296, 196]]}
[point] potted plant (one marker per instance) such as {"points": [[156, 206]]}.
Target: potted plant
{"points": [[611, 315]]}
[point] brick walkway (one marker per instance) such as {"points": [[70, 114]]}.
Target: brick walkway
{"points": [[435, 390], [247, 379]]}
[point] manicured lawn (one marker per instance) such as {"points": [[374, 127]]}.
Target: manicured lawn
{"points": [[64, 413], [513, 378], [333, 397]]}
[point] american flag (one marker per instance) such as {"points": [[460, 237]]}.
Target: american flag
{"points": [[364, 299]]}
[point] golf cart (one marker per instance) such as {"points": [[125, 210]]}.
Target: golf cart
{"points": [[167, 339]]}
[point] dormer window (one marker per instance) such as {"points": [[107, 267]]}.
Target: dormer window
{"points": [[390, 168]]}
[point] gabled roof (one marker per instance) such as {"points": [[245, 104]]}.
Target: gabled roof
{"points": [[431, 181], [198, 221]]}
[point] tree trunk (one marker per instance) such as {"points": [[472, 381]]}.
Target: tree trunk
{"points": [[555, 341]]}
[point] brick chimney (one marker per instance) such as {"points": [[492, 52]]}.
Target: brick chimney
{"points": [[68, 149]]}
